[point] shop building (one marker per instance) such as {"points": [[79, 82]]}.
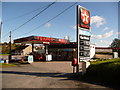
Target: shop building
{"points": [[59, 49]]}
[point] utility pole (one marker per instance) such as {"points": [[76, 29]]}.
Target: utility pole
{"points": [[10, 47], [78, 40], [0, 31], [0, 38]]}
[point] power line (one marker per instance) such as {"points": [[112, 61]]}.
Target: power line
{"points": [[32, 18], [52, 18], [25, 14]]}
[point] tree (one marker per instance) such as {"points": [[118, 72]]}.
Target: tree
{"points": [[115, 43]]}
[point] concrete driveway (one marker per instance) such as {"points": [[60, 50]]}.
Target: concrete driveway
{"points": [[42, 75]]}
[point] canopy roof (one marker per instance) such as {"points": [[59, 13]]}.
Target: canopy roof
{"points": [[40, 40]]}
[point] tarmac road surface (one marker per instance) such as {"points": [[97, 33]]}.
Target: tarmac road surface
{"points": [[42, 75]]}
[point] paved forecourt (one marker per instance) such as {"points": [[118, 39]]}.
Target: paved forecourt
{"points": [[42, 75]]}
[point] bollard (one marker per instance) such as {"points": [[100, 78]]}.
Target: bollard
{"points": [[83, 67]]}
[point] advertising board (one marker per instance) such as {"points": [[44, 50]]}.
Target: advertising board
{"points": [[83, 18], [83, 33]]}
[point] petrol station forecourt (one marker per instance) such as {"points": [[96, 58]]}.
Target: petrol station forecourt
{"points": [[53, 59]]}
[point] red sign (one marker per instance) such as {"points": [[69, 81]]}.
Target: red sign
{"points": [[38, 39], [84, 18]]}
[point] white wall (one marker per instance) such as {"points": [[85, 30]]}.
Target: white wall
{"points": [[27, 50], [92, 50]]}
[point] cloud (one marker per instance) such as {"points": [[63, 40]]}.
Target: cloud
{"points": [[97, 20], [74, 27], [104, 43], [106, 28], [48, 25], [106, 35], [117, 33]]}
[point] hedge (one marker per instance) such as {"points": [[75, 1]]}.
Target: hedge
{"points": [[106, 71]]}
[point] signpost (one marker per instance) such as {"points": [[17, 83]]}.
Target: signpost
{"points": [[83, 34]]}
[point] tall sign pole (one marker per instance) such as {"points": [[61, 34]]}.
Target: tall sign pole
{"points": [[77, 69], [83, 35], [0, 31], [10, 47]]}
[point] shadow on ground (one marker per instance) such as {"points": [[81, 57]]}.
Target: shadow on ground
{"points": [[66, 76], [38, 74]]}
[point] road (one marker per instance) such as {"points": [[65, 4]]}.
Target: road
{"points": [[42, 75]]}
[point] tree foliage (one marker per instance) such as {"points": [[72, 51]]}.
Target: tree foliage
{"points": [[6, 48], [115, 43]]}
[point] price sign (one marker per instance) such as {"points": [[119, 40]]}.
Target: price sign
{"points": [[84, 46]]}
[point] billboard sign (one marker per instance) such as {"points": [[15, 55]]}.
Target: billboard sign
{"points": [[83, 18], [83, 33]]}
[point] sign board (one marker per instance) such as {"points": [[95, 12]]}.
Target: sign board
{"points": [[84, 47], [83, 33], [30, 58], [39, 39], [83, 18]]}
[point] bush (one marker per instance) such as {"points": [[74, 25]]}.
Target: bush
{"points": [[106, 71]]}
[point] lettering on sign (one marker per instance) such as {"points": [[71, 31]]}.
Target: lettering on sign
{"points": [[84, 37], [84, 46]]}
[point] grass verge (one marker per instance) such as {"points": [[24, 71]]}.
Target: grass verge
{"points": [[7, 65]]}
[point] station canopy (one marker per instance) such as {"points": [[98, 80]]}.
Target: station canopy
{"points": [[40, 40]]}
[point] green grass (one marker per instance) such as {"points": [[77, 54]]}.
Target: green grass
{"points": [[106, 53], [100, 61], [7, 65], [4, 54], [104, 71]]}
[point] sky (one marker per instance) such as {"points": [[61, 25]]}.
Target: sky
{"points": [[104, 20]]}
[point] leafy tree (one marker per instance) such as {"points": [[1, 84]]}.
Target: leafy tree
{"points": [[115, 43], [6, 49]]}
